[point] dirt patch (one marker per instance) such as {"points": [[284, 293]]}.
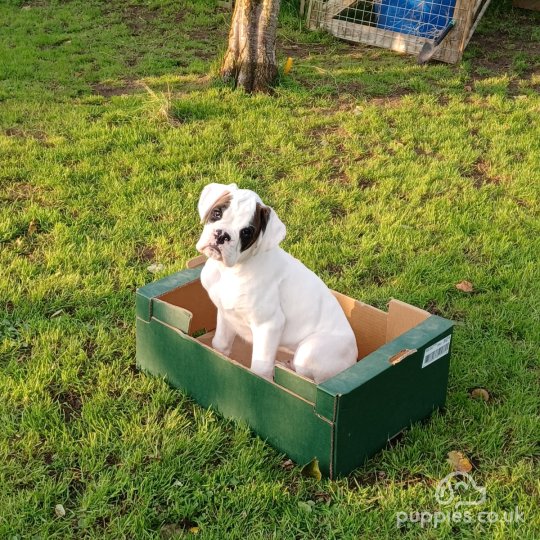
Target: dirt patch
{"points": [[351, 88], [19, 133], [23, 191], [334, 269], [145, 253], [89, 348], [480, 175], [338, 175], [433, 308], [365, 183], [125, 88], [138, 18], [328, 131], [173, 530], [391, 101], [112, 460], [206, 41], [204, 34], [70, 404]]}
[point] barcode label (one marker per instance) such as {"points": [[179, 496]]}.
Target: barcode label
{"points": [[436, 351]]}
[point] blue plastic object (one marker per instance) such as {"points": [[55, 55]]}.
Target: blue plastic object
{"points": [[423, 18]]}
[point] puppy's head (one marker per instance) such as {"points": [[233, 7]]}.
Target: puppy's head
{"points": [[237, 224]]}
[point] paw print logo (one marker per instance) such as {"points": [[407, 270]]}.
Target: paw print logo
{"points": [[459, 489]]}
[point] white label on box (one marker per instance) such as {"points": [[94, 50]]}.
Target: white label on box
{"points": [[436, 351]]}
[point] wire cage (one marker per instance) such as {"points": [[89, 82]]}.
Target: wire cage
{"points": [[401, 25]]}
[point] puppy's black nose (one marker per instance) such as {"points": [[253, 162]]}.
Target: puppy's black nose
{"points": [[222, 237]]}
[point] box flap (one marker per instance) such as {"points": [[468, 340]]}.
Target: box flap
{"points": [[368, 323], [157, 288], [401, 318], [174, 316], [193, 298]]}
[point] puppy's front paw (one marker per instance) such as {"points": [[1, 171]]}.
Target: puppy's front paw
{"points": [[263, 370], [220, 346]]}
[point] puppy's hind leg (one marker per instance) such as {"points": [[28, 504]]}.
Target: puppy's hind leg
{"points": [[224, 337], [321, 357]]}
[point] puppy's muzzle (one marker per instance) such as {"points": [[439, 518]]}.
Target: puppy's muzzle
{"points": [[221, 237]]}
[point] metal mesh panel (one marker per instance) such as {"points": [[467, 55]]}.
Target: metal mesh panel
{"points": [[402, 25]]}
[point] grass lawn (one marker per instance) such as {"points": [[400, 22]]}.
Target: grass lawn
{"points": [[394, 180]]}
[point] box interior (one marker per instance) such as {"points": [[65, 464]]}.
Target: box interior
{"points": [[372, 327]]}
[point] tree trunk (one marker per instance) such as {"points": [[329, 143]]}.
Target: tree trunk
{"points": [[250, 61]]}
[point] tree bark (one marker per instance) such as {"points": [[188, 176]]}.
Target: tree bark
{"points": [[250, 61]]}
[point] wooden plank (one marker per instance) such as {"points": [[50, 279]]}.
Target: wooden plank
{"points": [[372, 35], [468, 18], [478, 19], [311, 18], [527, 4], [334, 7], [450, 50]]}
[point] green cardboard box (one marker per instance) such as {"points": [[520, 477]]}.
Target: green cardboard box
{"points": [[400, 378]]}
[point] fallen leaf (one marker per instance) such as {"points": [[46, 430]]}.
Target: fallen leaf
{"points": [[59, 510], [468, 88], [459, 462], [322, 497], [312, 469], [56, 313], [194, 530], [288, 65], [287, 464], [32, 227], [480, 393], [155, 268], [465, 286]]}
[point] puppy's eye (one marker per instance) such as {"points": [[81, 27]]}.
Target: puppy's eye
{"points": [[246, 234], [216, 214]]}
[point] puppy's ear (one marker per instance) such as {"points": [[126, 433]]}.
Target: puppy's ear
{"points": [[210, 195], [272, 228]]}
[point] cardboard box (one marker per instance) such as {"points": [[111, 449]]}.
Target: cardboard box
{"points": [[401, 375]]}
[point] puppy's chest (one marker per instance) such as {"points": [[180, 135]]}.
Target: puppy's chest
{"points": [[234, 294]]}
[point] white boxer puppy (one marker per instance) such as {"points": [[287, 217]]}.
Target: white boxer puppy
{"points": [[265, 295]]}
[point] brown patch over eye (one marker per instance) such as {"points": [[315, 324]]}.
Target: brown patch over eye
{"points": [[249, 235], [216, 212]]}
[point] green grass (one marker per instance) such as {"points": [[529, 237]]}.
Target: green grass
{"points": [[394, 181]]}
